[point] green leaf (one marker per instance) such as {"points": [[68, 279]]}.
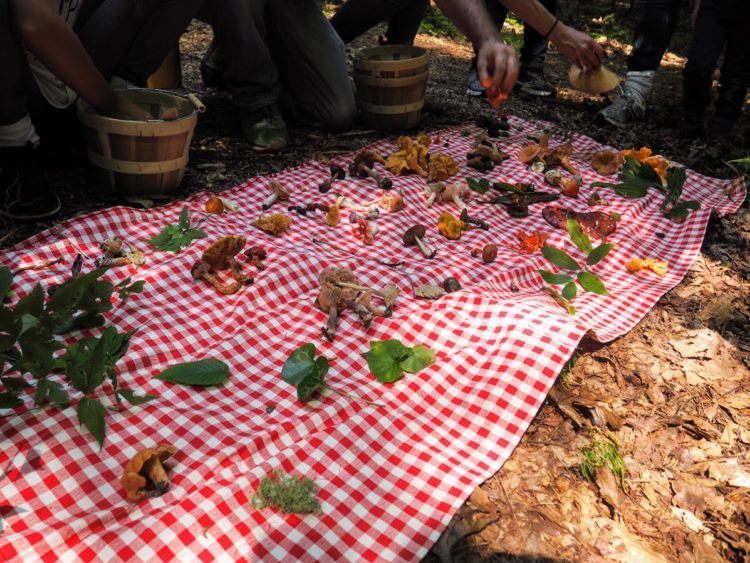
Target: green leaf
{"points": [[681, 209], [310, 385], [6, 281], [384, 360], [419, 358], [299, 365], [570, 291], [579, 238], [91, 414], [31, 304], [481, 186], [598, 254], [130, 396], [554, 279], [9, 400], [560, 258], [205, 372], [676, 177], [505, 186], [57, 395], [591, 283], [89, 360], [15, 384], [126, 289]]}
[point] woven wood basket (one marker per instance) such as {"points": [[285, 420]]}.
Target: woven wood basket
{"points": [[391, 82], [136, 158]]}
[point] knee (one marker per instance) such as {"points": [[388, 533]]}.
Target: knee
{"points": [[340, 117]]}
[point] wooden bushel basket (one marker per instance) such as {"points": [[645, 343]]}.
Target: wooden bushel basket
{"points": [[142, 157], [391, 82]]}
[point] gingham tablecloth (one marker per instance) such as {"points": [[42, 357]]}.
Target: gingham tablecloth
{"points": [[390, 478]]}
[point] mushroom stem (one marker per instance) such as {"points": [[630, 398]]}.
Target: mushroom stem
{"points": [[466, 218], [426, 250], [269, 201], [458, 201], [229, 289], [360, 288], [329, 331], [364, 314]]}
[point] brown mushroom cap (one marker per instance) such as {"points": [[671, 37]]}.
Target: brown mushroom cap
{"points": [[281, 192], [489, 253], [530, 153], [256, 252], [412, 233], [606, 163]]}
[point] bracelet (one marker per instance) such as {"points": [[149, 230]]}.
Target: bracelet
{"points": [[551, 29]]}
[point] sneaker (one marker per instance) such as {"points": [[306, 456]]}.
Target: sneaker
{"points": [[622, 111], [25, 193], [213, 66], [474, 87], [265, 129], [535, 84]]}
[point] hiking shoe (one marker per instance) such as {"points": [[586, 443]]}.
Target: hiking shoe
{"points": [[25, 193], [265, 129], [535, 84], [622, 111], [474, 86], [212, 67]]}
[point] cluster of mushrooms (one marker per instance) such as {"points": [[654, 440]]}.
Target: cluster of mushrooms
{"points": [[221, 255], [340, 290]]}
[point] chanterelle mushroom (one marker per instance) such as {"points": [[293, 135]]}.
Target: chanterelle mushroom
{"points": [[362, 167], [144, 474], [413, 237], [220, 256]]}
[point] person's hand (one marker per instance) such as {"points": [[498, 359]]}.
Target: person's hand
{"points": [[120, 106], [578, 47], [497, 68]]}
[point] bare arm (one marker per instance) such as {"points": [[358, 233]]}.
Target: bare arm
{"points": [[578, 47], [497, 63], [44, 32]]}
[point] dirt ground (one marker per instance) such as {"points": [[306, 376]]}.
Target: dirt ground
{"points": [[674, 393]]}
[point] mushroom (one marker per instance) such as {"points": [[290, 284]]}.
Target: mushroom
{"points": [[333, 299], [456, 193], [489, 253], [333, 215], [429, 291], [144, 474], [535, 153], [596, 199], [432, 191], [366, 231], [355, 217], [451, 227], [392, 202], [607, 163], [485, 156], [596, 82], [389, 294], [337, 173], [362, 167], [274, 224], [466, 218], [118, 253], [310, 207], [413, 237], [220, 256], [278, 193], [441, 167], [559, 157], [569, 186], [215, 206], [257, 254], [451, 285]]}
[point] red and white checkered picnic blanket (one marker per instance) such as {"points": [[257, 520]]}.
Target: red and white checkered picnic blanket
{"points": [[390, 478]]}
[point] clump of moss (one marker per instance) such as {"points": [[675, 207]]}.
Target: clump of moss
{"points": [[603, 451], [287, 493]]}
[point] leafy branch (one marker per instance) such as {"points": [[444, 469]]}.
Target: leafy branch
{"points": [[636, 178], [174, 238], [308, 374], [29, 344], [580, 275]]}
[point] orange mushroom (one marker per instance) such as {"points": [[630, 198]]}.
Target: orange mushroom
{"points": [[144, 474], [607, 163]]}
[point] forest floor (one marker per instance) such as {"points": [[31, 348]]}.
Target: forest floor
{"points": [[674, 393]]}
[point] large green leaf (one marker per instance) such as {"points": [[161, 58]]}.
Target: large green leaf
{"points": [[676, 177], [480, 186], [91, 414], [579, 238], [310, 385], [299, 365], [560, 258], [205, 372], [9, 400], [598, 254], [591, 283], [384, 367], [418, 358]]}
